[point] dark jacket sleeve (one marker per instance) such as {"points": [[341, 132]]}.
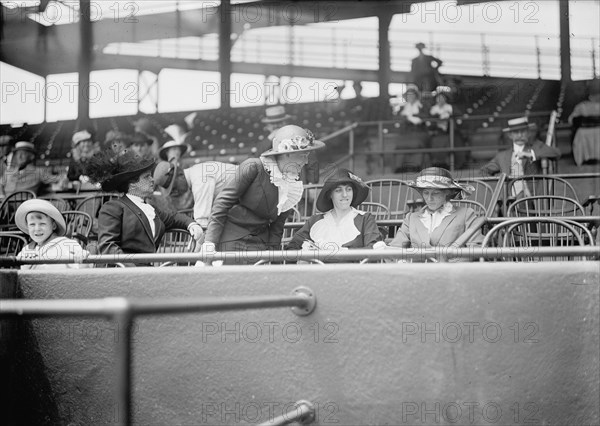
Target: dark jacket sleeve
{"points": [[492, 167], [276, 230], [228, 197], [303, 234], [173, 220], [370, 231], [110, 220]]}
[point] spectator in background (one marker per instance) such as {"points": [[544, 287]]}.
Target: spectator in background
{"points": [[525, 155], [144, 126], [116, 141], [251, 210], [5, 152], [442, 110], [23, 175], [425, 70], [176, 148], [129, 224], [141, 145], [82, 149], [585, 119], [411, 109], [413, 134], [196, 186]]}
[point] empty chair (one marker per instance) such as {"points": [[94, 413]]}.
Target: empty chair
{"points": [[60, 203], [534, 185], [483, 191], [476, 206], [91, 205], [545, 206], [8, 208], [11, 244], [393, 193], [533, 232], [176, 241], [378, 210], [79, 225]]}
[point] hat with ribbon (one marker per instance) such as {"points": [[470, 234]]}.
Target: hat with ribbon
{"points": [[169, 176], [360, 191], [291, 139], [82, 135], [275, 114], [25, 146], [521, 123], [439, 178], [42, 206], [162, 152]]}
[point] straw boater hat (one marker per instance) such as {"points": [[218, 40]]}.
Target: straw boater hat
{"points": [[439, 178], [42, 206], [25, 146], [520, 123], [275, 114], [290, 139], [165, 175], [411, 88], [342, 177], [78, 137], [178, 135]]}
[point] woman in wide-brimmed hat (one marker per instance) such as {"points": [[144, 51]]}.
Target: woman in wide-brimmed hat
{"points": [[129, 224], [46, 226], [249, 213], [340, 225], [439, 222]]}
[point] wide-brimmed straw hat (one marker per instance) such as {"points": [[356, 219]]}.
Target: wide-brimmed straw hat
{"points": [[275, 114], [521, 123], [42, 206], [78, 137], [412, 89], [162, 152], [342, 177], [165, 176], [439, 178], [25, 146], [291, 139]]}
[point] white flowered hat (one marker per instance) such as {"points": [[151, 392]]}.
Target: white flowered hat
{"points": [[291, 139]]}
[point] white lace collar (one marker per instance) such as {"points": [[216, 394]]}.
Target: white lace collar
{"points": [[289, 187], [328, 233]]}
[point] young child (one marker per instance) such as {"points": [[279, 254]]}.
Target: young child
{"points": [[46, 226]]}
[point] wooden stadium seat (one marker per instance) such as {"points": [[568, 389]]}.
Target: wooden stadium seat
{"points": [[476, 206], [9, 206], [91, 205], [79, 225], [543, 185], [545, 206], [529, 233], [176, 241], [395, 194], [11, 244], [60, 203]]}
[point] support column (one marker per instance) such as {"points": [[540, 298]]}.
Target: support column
{"points": [[225, 53], [85, 62], [384, 55], [565, 41]]}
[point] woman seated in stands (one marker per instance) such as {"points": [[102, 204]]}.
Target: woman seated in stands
{"points": [[439, 223], [442, 110], [82, 149], [342, 225], [46, 226], [411, 110], [586, 117], [250, 211], [129, 224]]}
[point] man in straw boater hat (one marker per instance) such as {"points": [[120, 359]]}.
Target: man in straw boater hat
{"points": [[439, 223], [524, 157], [128, 224], [23, 175], [249, 213]]}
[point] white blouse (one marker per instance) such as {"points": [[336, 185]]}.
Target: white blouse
{"points": [[328, 233], [290, 189]]}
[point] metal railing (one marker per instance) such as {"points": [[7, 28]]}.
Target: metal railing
{"points": [[124, 311]]}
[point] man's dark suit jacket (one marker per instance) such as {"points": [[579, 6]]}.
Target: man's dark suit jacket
{"points": [[124, 228], [247, 205], [503, 160]]}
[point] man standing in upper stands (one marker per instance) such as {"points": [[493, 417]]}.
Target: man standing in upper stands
{"points": [[425, 70], [524, 158]]}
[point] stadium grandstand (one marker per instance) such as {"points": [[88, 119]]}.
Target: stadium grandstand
{"points": [[504, 331]]}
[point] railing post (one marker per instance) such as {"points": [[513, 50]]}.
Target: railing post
{"points": [[538, 57], [351, 150], [381, 147], [451, 134], [594, 75]]}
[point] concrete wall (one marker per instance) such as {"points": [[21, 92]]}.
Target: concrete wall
{"points": [[407, 344]]}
